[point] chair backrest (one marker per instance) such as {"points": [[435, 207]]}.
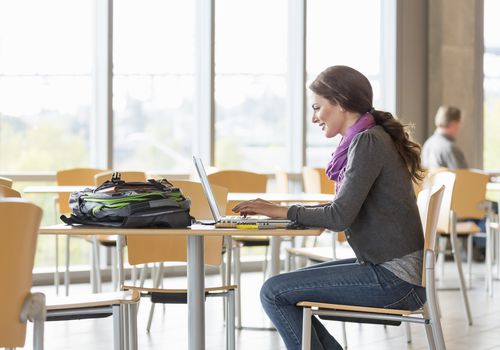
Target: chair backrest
{"points": [[469, 193], [316, 181], [238, 181], [446, 179], [5, 181], [74, 177], [130, 176], [282, 181], [429, 205], [9, 192], [19, 223], [145, 249]]}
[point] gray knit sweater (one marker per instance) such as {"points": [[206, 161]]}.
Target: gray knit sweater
{"points": [[375, 206]]}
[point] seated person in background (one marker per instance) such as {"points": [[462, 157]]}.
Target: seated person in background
{"points": [[440, 151]]}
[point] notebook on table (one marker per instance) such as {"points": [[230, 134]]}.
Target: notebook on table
{"points": [[261, 222]]}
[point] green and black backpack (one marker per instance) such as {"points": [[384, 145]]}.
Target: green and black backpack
{"points": [[117, 203]]}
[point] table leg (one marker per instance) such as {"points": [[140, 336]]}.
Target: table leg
{"points": [[275, 255], [196, 292]]}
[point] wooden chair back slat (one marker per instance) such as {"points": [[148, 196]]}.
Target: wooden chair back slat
{"points": [[19, 223]]}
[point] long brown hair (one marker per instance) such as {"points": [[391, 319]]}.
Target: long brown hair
{"points": [[351, 90]]}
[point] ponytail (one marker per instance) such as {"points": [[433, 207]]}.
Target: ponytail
{"points": [[407, 149]]}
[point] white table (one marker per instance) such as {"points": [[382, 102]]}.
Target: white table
{"points": [[232, 196], [195, 261]]}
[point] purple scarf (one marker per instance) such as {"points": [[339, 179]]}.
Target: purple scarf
{"points": [[336, 167]]}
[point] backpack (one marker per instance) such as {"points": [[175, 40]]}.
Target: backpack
{"points": [[117, 203]]}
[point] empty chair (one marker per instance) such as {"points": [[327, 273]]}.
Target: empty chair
{"points": [[246, 182], [316, 181], [9, 192], [70, 177], [150, 249], [429, 202], [121, 305], [4, 181], [19, 223]]}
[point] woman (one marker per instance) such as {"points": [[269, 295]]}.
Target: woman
{"points": [[373, 168]]}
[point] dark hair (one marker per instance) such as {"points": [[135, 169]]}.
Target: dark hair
{"points": [[351, 90]]}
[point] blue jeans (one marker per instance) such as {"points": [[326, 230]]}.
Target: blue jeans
{"points": [[336, 282]]}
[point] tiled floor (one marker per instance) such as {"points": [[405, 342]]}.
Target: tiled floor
{"points": [[169, 326]]}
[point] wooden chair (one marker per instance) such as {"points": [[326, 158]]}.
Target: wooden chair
{"points": [[468, 202], [149, 249], [282, 181], [109, 241], [4, 181], [429, 205], [9, 192], [70, 177], [19, 223], [315, 181], [246, 182]]}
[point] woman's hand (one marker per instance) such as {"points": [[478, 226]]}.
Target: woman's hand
{"points": [[261, 207]]}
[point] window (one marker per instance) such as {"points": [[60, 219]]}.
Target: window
{"points": [[338, 33], [250, 84], [46, 52], [153, 84], [491, 85]]}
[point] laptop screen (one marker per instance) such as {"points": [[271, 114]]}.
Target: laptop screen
{"points": [[206, 188]]}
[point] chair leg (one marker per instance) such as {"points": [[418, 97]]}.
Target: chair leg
{"points": [[441, 254], [237, 282], [142, 277], [96, 267], [306, 328], [132, 327], [264, 267], [56, 273], [134, 275], [114, 277], [428, 328], [230, 326], [150, 318], [66, 273], [458, 261], [55, 201], [344, 335], [118, 343], [408, 332], [288, 262], [469, 261], [157, 281]]}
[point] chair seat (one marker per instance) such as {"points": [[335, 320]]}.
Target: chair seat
{"points": [[375, 310], [321, 254], [464, 228], [161, 290], [252, 241], [105, 240], [92, 300]]}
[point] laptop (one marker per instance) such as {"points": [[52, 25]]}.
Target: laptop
{"points": [[260, 222]]}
